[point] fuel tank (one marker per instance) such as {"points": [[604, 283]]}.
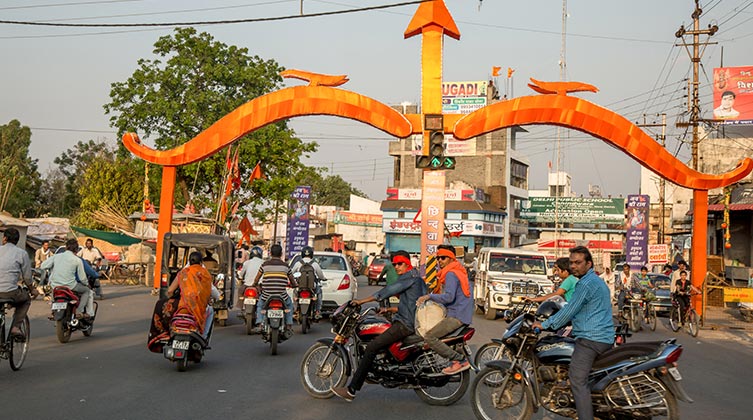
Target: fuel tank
{"points": [[554, 349], [372, 327]]}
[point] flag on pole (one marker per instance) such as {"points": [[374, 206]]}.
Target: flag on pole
{"points": [[256, 173], [510, 71], [495, 71]]}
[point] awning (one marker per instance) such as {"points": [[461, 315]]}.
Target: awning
{"points": [[115, 238], [732, 207]]}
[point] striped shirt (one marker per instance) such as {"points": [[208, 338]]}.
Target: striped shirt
{"points": [[275, 277], [590, 310]]}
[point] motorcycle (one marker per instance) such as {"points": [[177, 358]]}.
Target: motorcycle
{"points": [[248, 309], [306, 299], [408, 364], [634, 380], [64, 305], [273, 329], [633, 311], [186, 343]]}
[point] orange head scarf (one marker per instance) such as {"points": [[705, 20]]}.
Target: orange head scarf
{"points": [[455, 267]]}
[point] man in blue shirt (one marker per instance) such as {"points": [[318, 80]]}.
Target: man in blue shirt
{"points": [[15, 266], [591, 313], [410, 287], [456, 297]]}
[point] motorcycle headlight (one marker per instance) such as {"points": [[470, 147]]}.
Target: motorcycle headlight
{"points": [[501, 287]]}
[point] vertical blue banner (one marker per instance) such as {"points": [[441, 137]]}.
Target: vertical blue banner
{"points": [[636, 240], [298, 220]]}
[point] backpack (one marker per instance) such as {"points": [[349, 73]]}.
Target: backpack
{"points": [[307, 279]]}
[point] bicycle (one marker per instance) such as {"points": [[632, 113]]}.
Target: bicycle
{"points": [[690, 316], [11, 347]]}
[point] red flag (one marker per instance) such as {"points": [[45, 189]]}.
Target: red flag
{"points": [[495, 71], [234, 208], [235, 177], [246, 229], [228, 162], [456, 234], [256, 173], [223, 210]]}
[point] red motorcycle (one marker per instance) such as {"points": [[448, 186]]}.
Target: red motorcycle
{"points": [[64, 305], [408, 364]]}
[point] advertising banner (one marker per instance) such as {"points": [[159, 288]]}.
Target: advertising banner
{"points": [[592, 244], [658, 253], [733, 94], [298, 220], [452, 146], [415, 194], [463, 97], [574, 210], [360, 219], [636, 239]]}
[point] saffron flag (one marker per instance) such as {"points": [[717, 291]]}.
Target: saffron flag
{"points": [[256, 173], [495, 71], [510, 71]]}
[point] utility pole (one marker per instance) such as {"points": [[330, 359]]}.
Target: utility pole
{"points": [[662, 182], [695, 57]]}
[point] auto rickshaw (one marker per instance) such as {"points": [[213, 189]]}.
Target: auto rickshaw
{"points": [[218, 260]]}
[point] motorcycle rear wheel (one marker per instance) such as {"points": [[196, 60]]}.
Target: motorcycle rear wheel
{"points": [[62, 330], [182, 364], [250, 324], [448, 394], [322, 370], [305, 324], [18, 349], [516, 402], [274, 338]]}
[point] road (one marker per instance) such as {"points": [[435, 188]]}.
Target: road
{"points": [[112, 375]]}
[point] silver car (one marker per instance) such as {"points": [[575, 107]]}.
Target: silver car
{"points": [[340, 285]]}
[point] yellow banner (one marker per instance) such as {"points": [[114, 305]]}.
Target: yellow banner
{"points": [[738, 294]]}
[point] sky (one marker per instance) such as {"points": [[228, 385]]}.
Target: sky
{"points": [[56, 80]]}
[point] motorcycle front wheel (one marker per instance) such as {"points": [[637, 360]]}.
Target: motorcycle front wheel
{"points": [[491, 351], [508, 399], [448, 394], [322, 369], [652, 318], [635, 319]]}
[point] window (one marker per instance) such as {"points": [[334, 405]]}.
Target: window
{"points": [[518, 174], [464, 216]]}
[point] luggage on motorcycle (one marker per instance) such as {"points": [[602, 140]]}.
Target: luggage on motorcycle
{"points": [[428, 315], [307, 280]]}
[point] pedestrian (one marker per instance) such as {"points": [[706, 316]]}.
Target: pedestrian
{"points": [[42, 254]]}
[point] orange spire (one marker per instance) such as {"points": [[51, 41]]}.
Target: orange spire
{"points": [[432, 13]]}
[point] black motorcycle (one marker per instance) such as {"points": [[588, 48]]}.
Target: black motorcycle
{"points": [[407, 364], [186, 343], [634, 380], [273, 330], [306, 299]]}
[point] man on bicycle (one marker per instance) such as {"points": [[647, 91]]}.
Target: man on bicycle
{"points": [[15, 266], [683, 290]]}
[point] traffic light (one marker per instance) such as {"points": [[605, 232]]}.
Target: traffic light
{"points": [[433, 149]]}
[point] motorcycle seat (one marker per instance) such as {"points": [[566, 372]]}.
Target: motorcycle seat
{"points": [[3, 301], [415, 338], [625, 352]]}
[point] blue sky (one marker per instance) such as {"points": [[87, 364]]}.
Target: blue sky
{"points": [[55, 80]]}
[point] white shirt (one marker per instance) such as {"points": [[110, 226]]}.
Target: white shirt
{"points": [[250, 270]]}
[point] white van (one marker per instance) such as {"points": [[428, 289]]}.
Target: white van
{"points": [[505, 276]]}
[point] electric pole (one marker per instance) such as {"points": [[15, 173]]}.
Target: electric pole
{"points": [[695, 57], [662, 181]]}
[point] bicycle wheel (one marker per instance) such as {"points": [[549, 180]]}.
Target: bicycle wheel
{"points": [[691, 323], [674, 319], [118, 275], [18, 349]]}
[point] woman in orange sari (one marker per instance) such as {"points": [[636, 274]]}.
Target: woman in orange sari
{"points": [[195, 284]]}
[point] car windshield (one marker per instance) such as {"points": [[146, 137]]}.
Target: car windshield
{"points": [[526, 264], [379, 261], [331, 262], [660, 281]]}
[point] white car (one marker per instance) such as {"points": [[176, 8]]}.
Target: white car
{"points": [[340, 285]]}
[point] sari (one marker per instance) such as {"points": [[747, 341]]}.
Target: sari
{"points": [[195, 284], [159, 332]]}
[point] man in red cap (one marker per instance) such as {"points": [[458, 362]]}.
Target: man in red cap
{"points": [[409, 286], [456, 297]]}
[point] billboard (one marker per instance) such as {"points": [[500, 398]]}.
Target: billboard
{"points": [[298, 220], [636, 239], [574, 210], [733, 94]]}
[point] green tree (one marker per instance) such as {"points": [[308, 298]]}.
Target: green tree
{"points": [[19, 178], [193, 82], [72, 164]]}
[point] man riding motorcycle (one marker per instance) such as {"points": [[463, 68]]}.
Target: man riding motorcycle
{"points": [[410, 287], [15, 266], [251, 268], [307, 257], [273, 278], [68, 270]]}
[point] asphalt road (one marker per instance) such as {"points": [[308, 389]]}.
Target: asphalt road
{"points": [[111, 375]]}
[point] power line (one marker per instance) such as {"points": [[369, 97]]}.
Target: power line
{"points": [[79, 3], [214, 22]]}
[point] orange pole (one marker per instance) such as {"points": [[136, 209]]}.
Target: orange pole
{"points": [[698, 244], [165, 217]]}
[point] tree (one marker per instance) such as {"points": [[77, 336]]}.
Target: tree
{"points": [[72, 164], [193, 82], [19, 178], [331, 190]]}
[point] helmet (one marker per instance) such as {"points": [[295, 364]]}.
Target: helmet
{"points": [[307, 252], [256, 252], [547, 309]]}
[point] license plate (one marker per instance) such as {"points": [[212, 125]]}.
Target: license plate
{"points": [[180, 345], [275, 313], [59, 305], [394, 299], [249, 301], [304, 301], [675, 373]]}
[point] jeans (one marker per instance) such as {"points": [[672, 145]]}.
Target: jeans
{"points": [[394, 333], [583, 358], [208, 322], [288, 310], [87, 298], [318, 297], [21, 302], [440, 330]]}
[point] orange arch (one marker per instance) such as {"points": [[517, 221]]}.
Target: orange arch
{"points": [[272, 107], [585, 116]]}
